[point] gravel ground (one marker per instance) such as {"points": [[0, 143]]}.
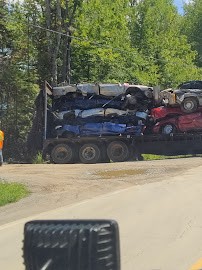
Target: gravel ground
{"points": [[54, 186]]}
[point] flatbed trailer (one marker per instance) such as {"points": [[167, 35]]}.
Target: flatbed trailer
{"points": [[116, 148], [173, 144], [95, 149]]}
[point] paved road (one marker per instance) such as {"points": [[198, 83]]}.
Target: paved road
{"points": [[160, 224]]}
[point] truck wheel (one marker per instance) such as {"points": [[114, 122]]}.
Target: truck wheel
{"points": [[63, 153], [118, 151], [189, 105], [168, 129], [89, 153]]}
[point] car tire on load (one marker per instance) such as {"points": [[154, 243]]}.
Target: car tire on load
{"points": [[189, 105], [63, 153], [168, 129], [118, 151], [89, 153]]}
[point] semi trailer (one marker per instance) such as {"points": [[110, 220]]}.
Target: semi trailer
{"points": [[92, 123]]}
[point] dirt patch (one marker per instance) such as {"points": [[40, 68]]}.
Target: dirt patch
{"points": [[119, 173], [54, 186]]}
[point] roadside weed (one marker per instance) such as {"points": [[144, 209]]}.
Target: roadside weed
{"points": [[38, 159], [12, 192]]}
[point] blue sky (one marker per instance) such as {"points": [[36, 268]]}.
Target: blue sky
{"points": [[179, 4]]}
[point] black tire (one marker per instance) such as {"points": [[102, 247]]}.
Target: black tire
{"points": [[189, 105], [89, 153], [63, 153], [118, 151], [168, 129]]}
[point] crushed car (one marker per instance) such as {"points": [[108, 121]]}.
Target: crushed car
{"points": [[105, 122], [108, 90], [191, 85], [188, 96], [88, 96], [162, 112], [181, 123], [98, 129]]}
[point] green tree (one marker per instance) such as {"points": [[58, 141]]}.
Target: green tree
{"points": [[155, 32], [18, 88], [51, 24], [192, 26], [102, 50]]}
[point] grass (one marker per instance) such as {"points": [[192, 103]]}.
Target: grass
{"points": [[12, 192], [159, 157], [38, 159]]}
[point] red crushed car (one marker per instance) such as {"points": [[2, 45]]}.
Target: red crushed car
{"points": [[180, 123], [162, 112]]}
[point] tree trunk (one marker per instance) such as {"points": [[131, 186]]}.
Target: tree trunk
{"points": [[69, 60], [57, 45], [48, 24], [70, 14]]}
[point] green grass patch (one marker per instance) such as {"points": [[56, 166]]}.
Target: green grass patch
{"points": [[38, 159], [159, 157], [12, 192]]}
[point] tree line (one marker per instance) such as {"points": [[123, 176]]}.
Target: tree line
{"points": [[137, 41]]}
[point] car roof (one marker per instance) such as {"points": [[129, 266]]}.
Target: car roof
{"points": [[191, 81]]}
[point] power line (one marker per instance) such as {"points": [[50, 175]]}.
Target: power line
{"points": [[93, 43], [56, 32]]}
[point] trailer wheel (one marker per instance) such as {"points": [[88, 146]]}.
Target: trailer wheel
{"points": [[89, 153], [118, 151], [189, 105], [63, 153]]}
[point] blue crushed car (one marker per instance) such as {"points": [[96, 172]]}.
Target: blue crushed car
{"points": [[97, 129]]}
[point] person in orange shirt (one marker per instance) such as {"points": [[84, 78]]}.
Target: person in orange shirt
{"points": [[1, 146]]}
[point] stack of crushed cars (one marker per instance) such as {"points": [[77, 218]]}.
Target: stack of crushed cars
{"points": [[181, 111], [100, 109], [114, 109]]}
